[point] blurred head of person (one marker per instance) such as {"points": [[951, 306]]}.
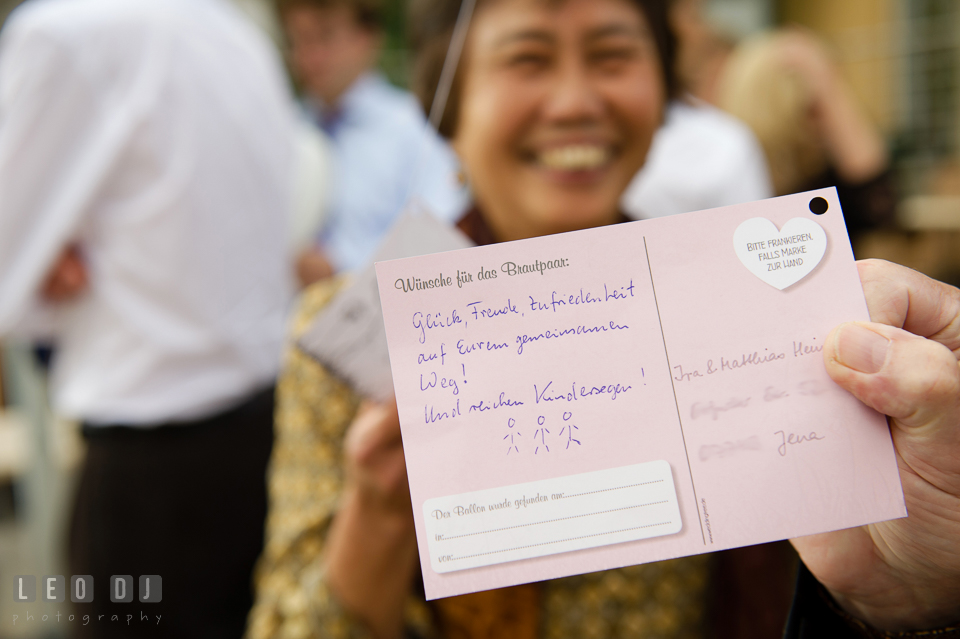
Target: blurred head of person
{"points": [[691, 31], [702, 49], [761, 87], [554, 104], [331, 43]]}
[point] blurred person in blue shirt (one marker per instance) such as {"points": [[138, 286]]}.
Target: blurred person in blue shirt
{"points": [[384, 151]]}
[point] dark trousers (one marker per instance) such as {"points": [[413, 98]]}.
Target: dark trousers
{"points": [[186, 502]]}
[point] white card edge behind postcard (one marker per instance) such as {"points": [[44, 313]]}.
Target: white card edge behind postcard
{"points": [[348, 336]]}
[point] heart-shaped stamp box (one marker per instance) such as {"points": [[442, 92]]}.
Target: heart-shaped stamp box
{"points": [[780, 257]]}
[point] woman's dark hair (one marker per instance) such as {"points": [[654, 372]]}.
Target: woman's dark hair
{"points": [[430, 26]]}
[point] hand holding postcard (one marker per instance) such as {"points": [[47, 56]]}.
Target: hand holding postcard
{"points": [[631, 393]]}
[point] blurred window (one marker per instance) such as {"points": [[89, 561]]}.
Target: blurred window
{"points": [[931, 64]]}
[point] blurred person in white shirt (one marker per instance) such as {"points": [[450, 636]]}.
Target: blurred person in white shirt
{"points": [[384, 153], [146, 170], [701, 158]]}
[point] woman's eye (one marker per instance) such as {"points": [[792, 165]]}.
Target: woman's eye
{"points": [[613, 58], [528, 61]]}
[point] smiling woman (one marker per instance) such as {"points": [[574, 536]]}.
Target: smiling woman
{"points": [[558, 108], [554, 106], [552, 112]]}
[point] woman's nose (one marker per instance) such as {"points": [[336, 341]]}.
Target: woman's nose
{"points": [[573, 96]]}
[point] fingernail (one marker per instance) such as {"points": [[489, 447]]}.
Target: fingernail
{"points": [[861, 349]]}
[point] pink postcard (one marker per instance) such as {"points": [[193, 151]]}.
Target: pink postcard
{"points": [[631, 393]]}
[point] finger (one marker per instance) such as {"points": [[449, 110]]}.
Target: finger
{"points": [[312, 266], [67, 278], [73, 275], [904, 298], [376, 429], [386, 431], [52, 289], [375, 454], [914, 380], [393, 476]]}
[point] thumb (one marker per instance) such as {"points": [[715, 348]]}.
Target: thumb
{"points": [[913, 380]]}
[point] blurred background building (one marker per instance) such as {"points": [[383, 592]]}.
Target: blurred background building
{"points": [[900, 57], [903, 62]]}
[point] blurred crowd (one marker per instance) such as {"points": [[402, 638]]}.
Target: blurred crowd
{"points": [[170, 179]]}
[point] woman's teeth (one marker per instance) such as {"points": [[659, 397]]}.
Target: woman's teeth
{"points": [[579, 157]]}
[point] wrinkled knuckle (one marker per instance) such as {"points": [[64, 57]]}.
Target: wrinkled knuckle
{"points": [[935, 377], [885, 394], [871, 268]]}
